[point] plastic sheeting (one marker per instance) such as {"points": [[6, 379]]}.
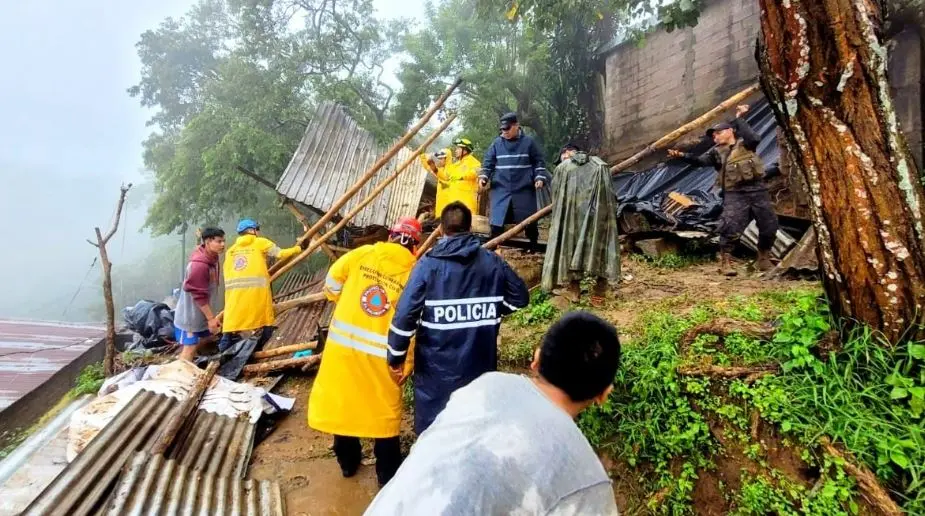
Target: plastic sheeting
{"points": [[151, 322], [646, 190]]}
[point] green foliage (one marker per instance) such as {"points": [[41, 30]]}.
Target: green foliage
{"points": [[859, 396], [850, 396], [540, 310], [518, 354], [89, 381], [231, 84], [671, 261], [649, 419], [779, 495]]}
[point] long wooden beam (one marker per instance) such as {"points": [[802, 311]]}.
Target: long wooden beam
{"points": [[429, 242], [373, 169], [495, 242], [375, 193], [698, 122]]}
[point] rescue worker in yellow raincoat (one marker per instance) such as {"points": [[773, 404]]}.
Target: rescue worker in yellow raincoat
{"points": [[461, 176], [248, 298], [355, 395]]}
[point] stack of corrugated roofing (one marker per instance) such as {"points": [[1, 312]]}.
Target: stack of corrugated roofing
{"points": [[301, 324], [152, 485], [213, 445]]}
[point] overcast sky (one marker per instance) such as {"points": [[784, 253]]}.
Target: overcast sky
{"points": [[69, 134]]}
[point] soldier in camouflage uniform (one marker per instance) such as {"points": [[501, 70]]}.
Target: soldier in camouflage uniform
{"points": [[741, 178]]}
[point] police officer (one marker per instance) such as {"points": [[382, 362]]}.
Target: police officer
{"points": [[741, 178], [513, 168]]}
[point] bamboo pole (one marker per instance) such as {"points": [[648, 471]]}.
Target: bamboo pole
{"points": [[167, 437], [495, 242], [284, 350], [429, 242], [670, 138], [287, 203], [282, 306], [371, 172], [375, 193], [279, 365]]}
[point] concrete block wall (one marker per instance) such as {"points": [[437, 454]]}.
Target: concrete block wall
{"points": [[905, 70], [673, 77], [676, 76]]}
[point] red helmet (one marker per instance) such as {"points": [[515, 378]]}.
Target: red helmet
{"points": [[407, 227]]}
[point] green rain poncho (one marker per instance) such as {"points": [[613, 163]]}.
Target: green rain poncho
{"points": [[583, 230]]}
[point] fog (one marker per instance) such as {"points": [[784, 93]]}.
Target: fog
{"points": [[69, 136]]}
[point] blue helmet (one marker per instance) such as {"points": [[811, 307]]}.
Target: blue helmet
{"points": [[246, 224]]}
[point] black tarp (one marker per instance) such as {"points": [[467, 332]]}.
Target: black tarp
{"points": [[645, 190]]}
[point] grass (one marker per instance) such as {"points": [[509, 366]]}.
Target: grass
{"points": [[672, 261], [89, 380], [863, 396]]}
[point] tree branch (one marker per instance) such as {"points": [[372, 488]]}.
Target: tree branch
{"points": [[115, 223]]}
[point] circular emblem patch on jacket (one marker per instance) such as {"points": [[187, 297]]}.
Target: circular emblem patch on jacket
{"points": [[375, 301], [240, 262]]}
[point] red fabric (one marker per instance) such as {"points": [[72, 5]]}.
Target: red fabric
{"points": [[202, 271]]}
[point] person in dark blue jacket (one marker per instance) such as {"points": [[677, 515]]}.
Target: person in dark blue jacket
{"points": [[514, 169], [453, 301]]}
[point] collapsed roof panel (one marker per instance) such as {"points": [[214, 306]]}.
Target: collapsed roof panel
{"points": [[333, 154]]}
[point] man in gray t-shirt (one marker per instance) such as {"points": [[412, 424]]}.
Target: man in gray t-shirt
{"points": [[508, 444]]}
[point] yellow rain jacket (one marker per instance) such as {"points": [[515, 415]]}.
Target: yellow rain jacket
{"points": [[458, 181], [248, 299], [354, 394]]}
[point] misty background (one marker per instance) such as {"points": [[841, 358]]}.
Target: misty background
{"points": [[70, 135]]}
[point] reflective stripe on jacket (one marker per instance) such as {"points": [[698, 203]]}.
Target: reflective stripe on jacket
{"points": [[512, 167], [453, 303], [354, 394], [248, 299]]}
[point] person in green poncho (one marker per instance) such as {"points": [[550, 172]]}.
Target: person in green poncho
{"points": [[583, 230]]}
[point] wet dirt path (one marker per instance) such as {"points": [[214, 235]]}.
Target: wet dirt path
{"points": [[300, 459]]}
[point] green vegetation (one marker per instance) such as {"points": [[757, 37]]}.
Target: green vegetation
{"points": [[671, 428], [672, 260], [539, 311], [89, 381]]}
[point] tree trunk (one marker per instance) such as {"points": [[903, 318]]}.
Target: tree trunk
{"points": [[823, 67], [110, 352]]}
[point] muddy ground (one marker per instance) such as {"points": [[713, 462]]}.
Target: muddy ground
{"points": [[301, 460]]}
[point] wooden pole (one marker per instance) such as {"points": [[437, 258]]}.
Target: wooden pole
{"points": [[429, 242], [371, 172], [282, 306], [284, 350], [495, 242], [670, 138], [356, 209], [288, 204], [169, 434], [101, 241], [305, 225], [279, 365]]}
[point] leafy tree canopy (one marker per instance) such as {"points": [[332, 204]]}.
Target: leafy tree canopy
{"points": [[233, 83]]}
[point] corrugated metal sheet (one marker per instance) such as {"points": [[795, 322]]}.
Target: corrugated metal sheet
{"points": [[782, 244], [213, 445], [32, 351], [153, 485], [300, 324], [333, 154]]}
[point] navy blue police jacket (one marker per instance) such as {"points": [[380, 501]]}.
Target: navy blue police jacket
{"points": [[512, 167], [453, 304]]}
